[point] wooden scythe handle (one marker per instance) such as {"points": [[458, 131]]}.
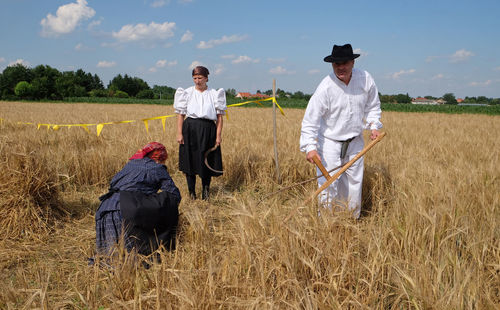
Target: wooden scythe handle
{"points": [[344, 168], [322, 168]]}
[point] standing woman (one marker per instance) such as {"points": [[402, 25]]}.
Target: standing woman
{"points": [[199, 112]]}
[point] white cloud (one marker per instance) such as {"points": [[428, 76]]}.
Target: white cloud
{"points": [[431, 58], [244, 59], [219, 69], [275, 60], [360, 52], [479, 84], [187, 36], [93, 24], [280, 70], [461, 55], [20, 62], [397, 75], [143, 32], [437, 76], [496, 69], [163, 63], [313, 71], [80, 47], [67, 18], [159, 3], [195, 64], [2, 59], [223, 40], [106, 64]]}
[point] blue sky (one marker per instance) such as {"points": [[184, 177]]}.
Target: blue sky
{"points": [[416, 47]]}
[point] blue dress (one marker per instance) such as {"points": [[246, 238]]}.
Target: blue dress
{"points": [[139, 175]]}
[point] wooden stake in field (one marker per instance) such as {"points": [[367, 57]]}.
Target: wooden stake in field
{"points": [[330, 180], [278, 175]]}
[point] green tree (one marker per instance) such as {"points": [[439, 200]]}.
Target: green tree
{"points": [[281, 93], [230, 92], [99, 93], [298, 95], [449, 98], [163, 92], [470, 99], [145, 94], [120, 94], [386, 98], [44, 82], [482, 99], [13, 75], [401, 98], [23, 90], [131, 85], [67, 85], [88, 80]]}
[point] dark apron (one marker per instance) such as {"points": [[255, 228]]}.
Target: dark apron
{"points": [[150, 220]]}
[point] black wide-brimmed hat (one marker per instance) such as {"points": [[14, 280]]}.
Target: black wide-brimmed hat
{"points": [[341, 53]]}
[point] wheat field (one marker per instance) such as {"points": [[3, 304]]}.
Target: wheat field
{"points": [[428, 236]]}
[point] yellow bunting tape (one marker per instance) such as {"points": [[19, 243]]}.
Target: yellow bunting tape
{"points": [[259, 101], [163, 119], [100, 126]]}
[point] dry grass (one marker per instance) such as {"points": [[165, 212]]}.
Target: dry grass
{"points": [[428, 237]]}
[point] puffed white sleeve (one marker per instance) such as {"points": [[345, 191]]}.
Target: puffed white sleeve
{"points": [[220, 102], [180, 101]]}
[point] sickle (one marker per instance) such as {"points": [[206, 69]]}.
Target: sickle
{"points": [[206, 160]]}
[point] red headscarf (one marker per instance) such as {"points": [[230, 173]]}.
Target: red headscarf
{"points": [[153, 150]]}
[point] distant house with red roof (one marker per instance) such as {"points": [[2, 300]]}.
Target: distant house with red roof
{"points": [[249, 95], [460, 100]]}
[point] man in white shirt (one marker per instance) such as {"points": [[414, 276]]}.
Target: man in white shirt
{"points": [[345, 103]]}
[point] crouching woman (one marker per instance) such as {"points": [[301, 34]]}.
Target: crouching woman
{"points": [[134, 211]]}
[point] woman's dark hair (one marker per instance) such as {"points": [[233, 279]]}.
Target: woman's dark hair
{"points": [[200, 70]]}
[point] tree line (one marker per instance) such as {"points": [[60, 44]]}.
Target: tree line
{"points": [[46, 83], [448, 98]]}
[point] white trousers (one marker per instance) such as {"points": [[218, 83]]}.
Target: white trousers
{"points": [[345, 192]]}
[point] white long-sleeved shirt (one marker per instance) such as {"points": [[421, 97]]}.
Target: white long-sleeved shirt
{"points": [[338, 112], [195, 104]]}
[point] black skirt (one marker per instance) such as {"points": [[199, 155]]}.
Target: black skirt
{"points": [[199, 136]]}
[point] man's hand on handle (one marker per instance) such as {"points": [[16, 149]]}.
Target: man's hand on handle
{"points": [[310, 155], [374, 135]]}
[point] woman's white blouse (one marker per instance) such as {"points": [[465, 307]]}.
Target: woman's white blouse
{"points": [[195, 104]]}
